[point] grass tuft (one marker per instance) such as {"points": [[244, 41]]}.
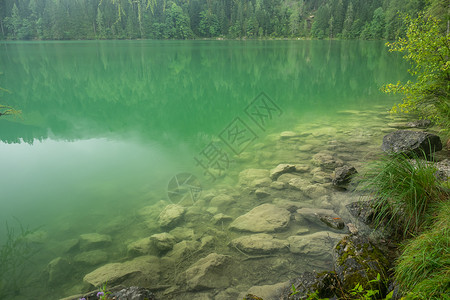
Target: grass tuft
{"points": [[423, 269], [403, 189]]}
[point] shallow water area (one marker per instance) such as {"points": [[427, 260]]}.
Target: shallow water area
{"points": [[111, 130]]}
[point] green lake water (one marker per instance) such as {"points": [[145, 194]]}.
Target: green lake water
{"points": [[106, 125]]}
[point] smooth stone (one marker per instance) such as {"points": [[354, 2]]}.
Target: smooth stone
{"points": [[272, 291], [260, 243], [263, 218], [141, 268], [316, 244], [288, 135]]}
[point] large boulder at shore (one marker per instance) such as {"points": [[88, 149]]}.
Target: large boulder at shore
{"points": [[411, 142], [261, 243], [263, 218], [207, 273], [141, 270], [171, 215]]}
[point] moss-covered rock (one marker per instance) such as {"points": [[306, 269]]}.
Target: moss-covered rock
{"points": [[357, 260]]}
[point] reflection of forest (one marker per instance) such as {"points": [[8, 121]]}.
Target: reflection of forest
{"points": [[85, 89]]}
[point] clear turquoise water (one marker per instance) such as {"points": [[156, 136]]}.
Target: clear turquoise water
{"points": [[106, 125]]}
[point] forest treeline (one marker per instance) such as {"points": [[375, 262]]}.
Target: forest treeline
{"points": [[188, 19]]}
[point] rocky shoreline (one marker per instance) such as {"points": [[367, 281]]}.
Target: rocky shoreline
{"points": [[297, 227]]}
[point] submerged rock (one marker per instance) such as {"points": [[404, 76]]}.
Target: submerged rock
{"points": [[221, 218], [362, 210], [263, 218], [316, 244], [261, 243], [272, 291], [248, 176], [163, 241], [262, 193], [221, 200], [58, 270], [140, 247], [281, 169], [411, 142], [171, 215], [333, 222], [343, 175], [326, 161], [285, 135], [322, 216], [207, 273], [141, 269], [90, 241], [91, 258], [183, 249]]}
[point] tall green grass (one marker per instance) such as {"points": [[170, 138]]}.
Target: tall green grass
{"points": [[403, 189], [423, 269]]}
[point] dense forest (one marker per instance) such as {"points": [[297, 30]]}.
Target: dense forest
{"points": [[188, 19]]}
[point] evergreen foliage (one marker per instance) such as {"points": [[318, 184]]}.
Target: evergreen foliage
{"points": [[179, 19]]}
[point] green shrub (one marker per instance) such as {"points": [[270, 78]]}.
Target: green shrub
{"points": [[403, 190], [423, 269]]}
